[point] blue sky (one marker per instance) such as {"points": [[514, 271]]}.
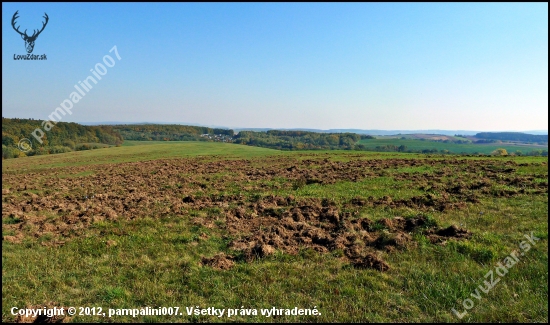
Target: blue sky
{"points": [[467, 66]]}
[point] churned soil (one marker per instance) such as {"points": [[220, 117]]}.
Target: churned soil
{"points": [[61, 203], [220, 261], [277, 223]]}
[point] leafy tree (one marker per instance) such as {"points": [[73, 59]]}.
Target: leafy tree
{"points": [[500, 152]]}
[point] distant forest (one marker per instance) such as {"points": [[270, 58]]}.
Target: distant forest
{"points": [[300, 140], [513, 136], [161, 132], [63, 137]]}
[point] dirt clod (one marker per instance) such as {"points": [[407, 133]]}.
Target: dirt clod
{"points": [[454, 231], [220, 261], [370, 261]]}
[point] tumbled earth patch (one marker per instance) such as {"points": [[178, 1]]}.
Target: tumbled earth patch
{"points": [[47, 204], [318, 224], [219, 261]]}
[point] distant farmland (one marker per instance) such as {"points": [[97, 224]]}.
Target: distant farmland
{"points": [[469, 148]]}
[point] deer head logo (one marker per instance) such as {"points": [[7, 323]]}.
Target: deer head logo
{"points": [[29, 40]]}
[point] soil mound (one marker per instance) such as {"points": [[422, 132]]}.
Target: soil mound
{"points": [[219, 261]]}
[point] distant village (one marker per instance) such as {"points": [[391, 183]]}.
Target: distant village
{"points": [[217, 137]]}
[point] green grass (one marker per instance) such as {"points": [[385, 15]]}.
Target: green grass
{"points": [[130, 143], [156, 260], [96, 144], [135, 151], [413, 144]]}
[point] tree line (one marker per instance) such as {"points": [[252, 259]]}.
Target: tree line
{"points": [[162, 132], [300, 140], [63, 137]]}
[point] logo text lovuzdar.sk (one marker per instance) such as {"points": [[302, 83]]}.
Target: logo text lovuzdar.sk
{"points": [[29, 40]]}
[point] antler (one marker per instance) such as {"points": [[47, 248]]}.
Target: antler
{"points": [[35, 34], [13, 24]]}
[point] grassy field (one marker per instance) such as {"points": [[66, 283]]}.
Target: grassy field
{"points": [[359, 236], [134, 151], [413, 144]]}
